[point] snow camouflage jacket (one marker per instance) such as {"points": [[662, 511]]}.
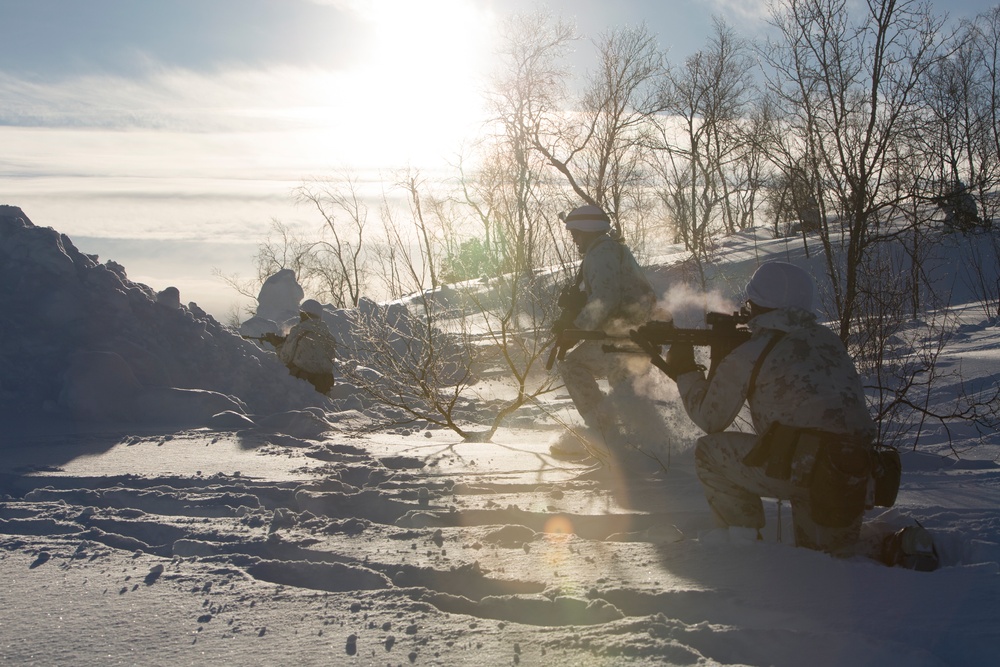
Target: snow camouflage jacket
{"points": [[309, 346], [618, 294], [808, 380]]}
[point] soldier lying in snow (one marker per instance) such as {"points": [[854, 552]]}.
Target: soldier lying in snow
{"points": [[309, 348]]}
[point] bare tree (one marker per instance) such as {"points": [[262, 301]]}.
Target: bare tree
{"points": [[795, 194], [900, 359], [706, 156], [510, 199], [791, 201], [749, 167], [425, 212], [281, 249], [415, 355], [332, 267], [851, 94], [624, 96], [400, 358], [985, 144], [988, 31], [515, 303], [599, 146], [979, 273], [950, 94], [847, 89], [338, 260]]}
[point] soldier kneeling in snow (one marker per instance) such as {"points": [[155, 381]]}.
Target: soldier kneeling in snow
{"points": [[814, 446], [309, 348]]}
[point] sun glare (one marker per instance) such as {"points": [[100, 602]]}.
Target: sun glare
{"points": [[420, 89]]}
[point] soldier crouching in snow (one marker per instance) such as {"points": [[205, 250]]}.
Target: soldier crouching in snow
{"points": [[613, 296], [815, 435], [309, 348]]}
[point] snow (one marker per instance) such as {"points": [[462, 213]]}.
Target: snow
{"points": [[170, 495]]}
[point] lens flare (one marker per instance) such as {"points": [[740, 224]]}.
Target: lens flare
{"points": [[558, 527]]}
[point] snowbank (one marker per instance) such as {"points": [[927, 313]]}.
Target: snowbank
{"points": [[82, 344]]}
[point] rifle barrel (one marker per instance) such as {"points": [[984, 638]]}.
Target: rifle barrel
{"points": [[665, 333], [723, 334]]}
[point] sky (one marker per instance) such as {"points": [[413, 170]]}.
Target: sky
{"points": [[168, 135]]}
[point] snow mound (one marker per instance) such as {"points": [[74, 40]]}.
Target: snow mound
{"points": [[84, 344]]}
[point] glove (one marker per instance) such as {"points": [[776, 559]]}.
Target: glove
{"points": [[680, 360]]}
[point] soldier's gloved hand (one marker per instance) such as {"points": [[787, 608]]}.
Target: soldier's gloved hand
{"points": [[559, 326], [680, 360]]}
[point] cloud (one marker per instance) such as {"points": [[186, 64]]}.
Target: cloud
{"points": [[53, 39], [166, 99], [379, 115], [739, 12]]}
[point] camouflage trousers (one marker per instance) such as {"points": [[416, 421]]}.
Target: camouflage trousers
{"points": [[734, 491], [322, 382], [621, 412]]}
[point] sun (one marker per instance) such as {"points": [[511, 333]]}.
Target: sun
{"points": [[431, 36], [421, 86]]}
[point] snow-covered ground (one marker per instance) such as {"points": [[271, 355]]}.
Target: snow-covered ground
{"points": [[194, 504]]}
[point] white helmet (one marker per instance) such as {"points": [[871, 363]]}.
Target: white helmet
{"points": [[311, 307], [587, 219], [781, 285]]}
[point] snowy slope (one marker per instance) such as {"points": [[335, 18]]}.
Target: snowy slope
{"points": [[288, 534]]}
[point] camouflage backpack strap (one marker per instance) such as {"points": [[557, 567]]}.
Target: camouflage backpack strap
{"points": [[575, 285], [752, 385], [776, 446]]}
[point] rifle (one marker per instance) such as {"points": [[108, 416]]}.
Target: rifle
{"points": [[272, 338], [725, 332]]}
